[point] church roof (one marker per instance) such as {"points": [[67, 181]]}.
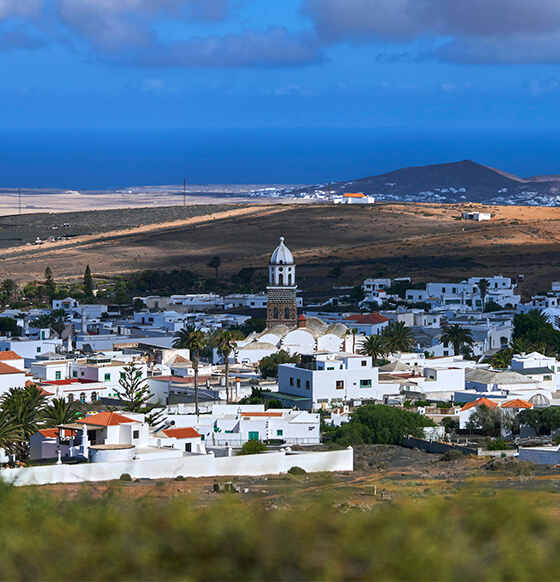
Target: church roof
{"points": [[282, 255]]}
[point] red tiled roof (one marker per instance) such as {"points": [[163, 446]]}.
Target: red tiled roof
{"points": [[44, 392], [9, 355], [302, 318], [479, 402], [372, 318], [352, 195], [5, 369], [261, 414], [105, 419], [517, 403], [53, 433], [181, 433]]}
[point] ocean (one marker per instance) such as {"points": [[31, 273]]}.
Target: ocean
{"points": [[94, 159]]}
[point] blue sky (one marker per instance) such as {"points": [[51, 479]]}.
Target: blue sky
{"points": [[267, 63]]}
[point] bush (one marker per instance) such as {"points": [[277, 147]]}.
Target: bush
{"points": [[252, 448], [498, 444], [180, 478], [125, 477], [297, 471], [452, 455]]}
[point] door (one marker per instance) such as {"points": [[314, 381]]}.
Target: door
{"points": [[253, 436]]}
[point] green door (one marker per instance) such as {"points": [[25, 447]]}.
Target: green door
{"points": [[254, 436]]}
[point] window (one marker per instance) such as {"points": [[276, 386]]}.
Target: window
{"points": [[298, 383], [253, 436], [75, 374], [279, 432], [330, 367], [275, 313], [364, 363], [340, 384], [135, 434], [443, 289], [94, 396], [365, 383], [188, 447], [70, 397], [291, 381], [547, 378], [82, 396], [286, 313], [307, 385], [39, 349], [58, 375], [122, 376], [107, 377]]}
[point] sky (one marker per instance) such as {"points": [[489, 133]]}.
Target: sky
{"points": [[280, 63]]}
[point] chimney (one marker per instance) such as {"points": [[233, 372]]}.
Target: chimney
{"points": [[301, 321]]}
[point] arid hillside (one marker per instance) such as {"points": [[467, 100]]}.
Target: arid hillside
{"points": [[425, 241]]}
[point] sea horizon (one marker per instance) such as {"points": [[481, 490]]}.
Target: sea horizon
{"points": [[112, 158]]}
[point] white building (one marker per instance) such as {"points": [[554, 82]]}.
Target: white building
{"points": [[479, 216], [331, 378]]}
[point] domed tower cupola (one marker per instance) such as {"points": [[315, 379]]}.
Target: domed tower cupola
{"points": [[281, 291], [281, 270]]}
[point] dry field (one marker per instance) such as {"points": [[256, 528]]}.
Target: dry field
{"points": [[425, 241]]}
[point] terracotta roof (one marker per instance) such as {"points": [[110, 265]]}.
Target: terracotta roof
{"points": [[261, 414], [9, 355], [372, 318], [354, 195], [53, 433], [517, 403], [479, 402], [5, 369], [355, 317], [181, 433], [105, 419], [302, 318], [44, 392]]}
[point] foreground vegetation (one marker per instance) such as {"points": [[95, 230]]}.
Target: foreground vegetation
{"points": [[112, 538]]}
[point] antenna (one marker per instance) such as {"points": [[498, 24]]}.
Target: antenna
{"points": [[184, 191]]}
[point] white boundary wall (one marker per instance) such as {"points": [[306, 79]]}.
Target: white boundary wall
{"points": [[190, 466]]}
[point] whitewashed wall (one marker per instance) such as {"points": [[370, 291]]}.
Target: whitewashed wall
{"points": [[190, 466]]}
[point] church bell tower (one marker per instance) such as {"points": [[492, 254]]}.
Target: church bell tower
{"points": [[282, 290]]}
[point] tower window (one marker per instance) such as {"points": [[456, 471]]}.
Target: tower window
{"points": [[281, 279], [275, 313], [286, 313]]}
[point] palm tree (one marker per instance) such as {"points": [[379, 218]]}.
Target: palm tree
{"points": [[59, 412], [483, 285], [374, 346], [10, 433], [502, 359], [544, 349], [214, 263], [539, 314], [226, 344], [353, 332], [9, 286], [27, 407], [522, 345], [398, 337], [458, 336], [194, 340]]}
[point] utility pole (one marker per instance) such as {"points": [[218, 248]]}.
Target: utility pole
{"points": [[19, 196], [184, 191]]}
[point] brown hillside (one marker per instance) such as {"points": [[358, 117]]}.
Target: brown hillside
{"points": [[424, 241]]}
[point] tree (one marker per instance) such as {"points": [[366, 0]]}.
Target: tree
{"points": [[11, 434], [214, 263], [59, 412], [542, 420], [374, 346], [488, 420], [450, 424], [379, 424], [226, 344], [357, 294], [521, 345], [458, 336], [398, 337], [194, 340], [135, 394], [9, 286], [27, 407], [268, 365], [353, 332], [483, 285], [88, 286], [50, 285], [9, 325], [502, 359], [336, 272]]}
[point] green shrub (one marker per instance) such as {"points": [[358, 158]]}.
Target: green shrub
{"points": [[180, 478], [498, 444], [297, 471], [452, 455], [125, 477], [252, 448]]}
